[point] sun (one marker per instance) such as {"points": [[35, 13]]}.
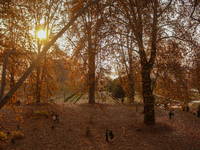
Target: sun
{"points": [[41, 34]]}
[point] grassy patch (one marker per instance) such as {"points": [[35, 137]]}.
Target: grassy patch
{"points": [[17, 135], [3, 136]]}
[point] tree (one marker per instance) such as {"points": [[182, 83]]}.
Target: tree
{"points": [[4, 100], [87, 44], [35, 16], [118, 91], [171, 75], [148, 22]]}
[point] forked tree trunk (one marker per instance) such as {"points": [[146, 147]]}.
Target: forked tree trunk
{"points": [[148, 97]]}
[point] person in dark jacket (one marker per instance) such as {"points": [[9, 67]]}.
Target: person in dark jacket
{"points": [[170, 114], [106, 135], [111, 135]]}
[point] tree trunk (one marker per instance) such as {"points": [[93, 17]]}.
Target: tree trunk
{"points": [[38, 77], [38, 85], [12, 78], [91, 77], [148, 98], [130, 75], [91, 63], [198, 72], [131, 79]]}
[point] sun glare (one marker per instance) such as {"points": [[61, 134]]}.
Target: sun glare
{"points": [[41, 34]]}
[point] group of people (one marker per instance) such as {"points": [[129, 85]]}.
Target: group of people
{"points": [[110, 134]]}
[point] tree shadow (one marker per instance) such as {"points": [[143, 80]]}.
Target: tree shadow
{"points": [[158, 128]]}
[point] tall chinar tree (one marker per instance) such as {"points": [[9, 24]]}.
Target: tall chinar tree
{"points": [[127, 55], [148, 21], [43, 23], [87, 32]]}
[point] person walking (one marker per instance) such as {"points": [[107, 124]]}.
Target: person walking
{"points": [[111, 135], [170, 114], [106, 135]]}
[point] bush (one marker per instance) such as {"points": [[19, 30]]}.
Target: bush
{"points": [[187, 108], [41, 113], [3, 136], [198, 111], [17, 135], [118, 91]]}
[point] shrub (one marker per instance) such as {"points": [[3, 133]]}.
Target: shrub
{"points": [[118, 91], [17, 135], [3, 136], [187, 108], [41, 113], [198, 111]]}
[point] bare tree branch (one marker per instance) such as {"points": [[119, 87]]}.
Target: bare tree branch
{"points": [[191, 16], [165, 8]]}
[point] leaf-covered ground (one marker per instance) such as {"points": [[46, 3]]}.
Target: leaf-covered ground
{"points": [[180, 132]]}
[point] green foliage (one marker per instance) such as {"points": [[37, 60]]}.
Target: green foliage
{"points": [[110, 85], [17, 135], [3, 136], [41, 113], [79, 97], [69, 97], [118, 91], [198, 111]]}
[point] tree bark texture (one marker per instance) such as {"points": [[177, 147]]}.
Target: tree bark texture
{"points": [[131, 77], [148, 97], [92, 78], [91, 63]]}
